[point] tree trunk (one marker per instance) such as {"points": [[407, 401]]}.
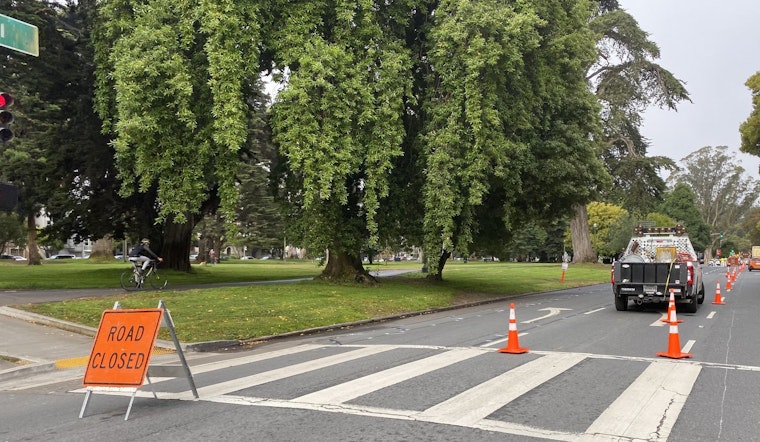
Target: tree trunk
{"points": [[344, 267], [34, 250], [582, 250], [442, 258], [103, 248], [176, 246]]}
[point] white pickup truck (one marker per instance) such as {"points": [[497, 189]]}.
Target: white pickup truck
{"points": [[657, 260]]}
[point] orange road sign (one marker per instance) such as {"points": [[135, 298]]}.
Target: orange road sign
{"points": [[122, 348]]}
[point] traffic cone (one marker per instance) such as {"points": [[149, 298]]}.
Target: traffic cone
{"points": [[674, 342], [733, 276], [728, 285], [718, 298], [671, 309], [512, 341]]}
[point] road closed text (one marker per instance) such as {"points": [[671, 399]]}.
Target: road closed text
{"points": [[131, 360]]}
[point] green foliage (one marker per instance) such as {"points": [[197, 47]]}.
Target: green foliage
{"points": [[681, 206], [339, 122], [750, 129], [626, 80], [604, 221], [12, 230], [172, 83], [660, 219], [503, 150]]}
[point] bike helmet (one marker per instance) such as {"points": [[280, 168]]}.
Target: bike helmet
{"points": [[145, 241]]}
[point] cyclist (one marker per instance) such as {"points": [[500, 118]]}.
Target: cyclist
{"points": [[143, 253]]}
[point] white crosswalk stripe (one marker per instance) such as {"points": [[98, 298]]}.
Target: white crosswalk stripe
{"points": [[650, 405], [477, 403]]}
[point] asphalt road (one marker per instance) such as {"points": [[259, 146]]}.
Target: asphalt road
{"points": [[591, 373]]}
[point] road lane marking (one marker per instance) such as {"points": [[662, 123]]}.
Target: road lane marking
{"points": [[359, 387], [553, 311], [594, 311], [500, 340], [477, 403], [650, 405], [690, 343], [663, 321], [711, 315]]}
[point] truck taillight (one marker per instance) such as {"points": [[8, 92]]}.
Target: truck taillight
{"points": [[612, 273], [690, 268]]}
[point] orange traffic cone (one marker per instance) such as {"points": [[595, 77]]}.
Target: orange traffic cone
{"points": [[671, 308], [512, 341], [674, 342], [728, 284], [733, 276], [718, 298]]}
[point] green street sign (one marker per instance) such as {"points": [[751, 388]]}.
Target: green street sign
{"points": [[19, 36]]}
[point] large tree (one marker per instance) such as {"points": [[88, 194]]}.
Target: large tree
{"points": [[42, 87], [626, 80], [338, 124], [511, 122], [723, 194], [172, 82]]}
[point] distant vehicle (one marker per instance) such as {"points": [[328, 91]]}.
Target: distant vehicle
{"points": [[754, 264], [754, 261], [7, 257], [19, 258], [247, 257], [63, 256]]}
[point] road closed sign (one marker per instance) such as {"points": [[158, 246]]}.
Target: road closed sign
{"points": [[122, 348]]}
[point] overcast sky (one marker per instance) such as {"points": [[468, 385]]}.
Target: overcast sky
{"points": [[714, 47]]}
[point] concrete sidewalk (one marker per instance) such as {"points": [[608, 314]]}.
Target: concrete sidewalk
{"points": [[31, 344]]}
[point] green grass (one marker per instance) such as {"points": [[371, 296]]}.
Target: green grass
{"points": [[74, 274], [250, 312]]}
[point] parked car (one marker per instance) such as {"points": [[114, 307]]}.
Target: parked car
{"points": [[7, 257], [63, 256], [19, 258]]}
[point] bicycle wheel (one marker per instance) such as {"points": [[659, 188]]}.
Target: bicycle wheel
{"points": [[128, 281], [156, 281]]}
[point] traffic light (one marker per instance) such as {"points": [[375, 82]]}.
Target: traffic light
{"points": [[6, 117], [8, 197]]}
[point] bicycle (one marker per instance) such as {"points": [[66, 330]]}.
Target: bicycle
{"points": [[135, 279]]}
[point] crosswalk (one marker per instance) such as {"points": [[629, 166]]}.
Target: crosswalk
{"points": [[470, 387]]}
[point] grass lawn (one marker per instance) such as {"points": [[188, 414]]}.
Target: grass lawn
{"points": [[250, 312]]}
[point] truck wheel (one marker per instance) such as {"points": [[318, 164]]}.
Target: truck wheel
{"points": [[693, 305], [621, 303], [701, 294]]}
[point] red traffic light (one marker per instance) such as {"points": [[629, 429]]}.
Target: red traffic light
{"points": [[6, 100]]}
